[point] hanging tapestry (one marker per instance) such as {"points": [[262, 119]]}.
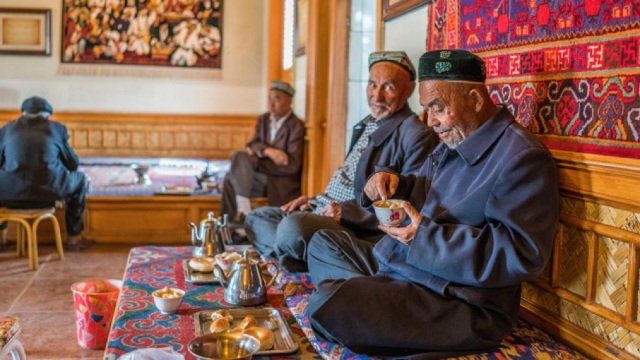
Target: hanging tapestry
{"points": [[180, 33], [568, 70]]}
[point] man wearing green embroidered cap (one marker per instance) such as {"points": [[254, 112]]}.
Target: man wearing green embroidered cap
{"points": [[482, 213], [391, 137]]}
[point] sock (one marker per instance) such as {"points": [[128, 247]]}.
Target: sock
{"points": [[244, 204]]}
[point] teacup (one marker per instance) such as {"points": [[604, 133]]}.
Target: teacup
{"points": [[390, 212]]}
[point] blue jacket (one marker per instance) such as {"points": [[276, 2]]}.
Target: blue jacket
{"points": [[35, 160], [490, 210]]}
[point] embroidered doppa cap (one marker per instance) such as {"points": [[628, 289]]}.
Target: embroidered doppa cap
{"points": [[451, 65], [283, 87], [396, 57], [36, 104]]}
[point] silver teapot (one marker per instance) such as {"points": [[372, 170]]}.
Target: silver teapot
{"points": [[245, 285], [211, 237]]}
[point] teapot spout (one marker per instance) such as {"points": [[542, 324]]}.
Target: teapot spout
{"points": [[196, 239], [217, 271]]}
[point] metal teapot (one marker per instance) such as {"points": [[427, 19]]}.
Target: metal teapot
{"points": [[210, 239], [245, 285]]}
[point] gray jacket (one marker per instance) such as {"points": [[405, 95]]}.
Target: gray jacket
{"points": [[401, 144]]}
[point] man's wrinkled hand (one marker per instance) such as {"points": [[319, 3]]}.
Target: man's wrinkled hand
{"points": [[405, 234], [332, 210], [249, 151], [381, 186], [301, 203]]}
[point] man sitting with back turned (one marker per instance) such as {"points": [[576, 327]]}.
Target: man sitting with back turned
{"points": [[482, 212], [38, 167], [392, 137], [271, 163]]}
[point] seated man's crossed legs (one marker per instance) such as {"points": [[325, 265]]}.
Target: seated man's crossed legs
{"points": [[286, 235]]}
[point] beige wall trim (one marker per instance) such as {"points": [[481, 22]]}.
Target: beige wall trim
{"points": [[153, 135]]}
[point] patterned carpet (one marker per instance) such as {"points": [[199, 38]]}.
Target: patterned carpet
{"points": [[525, 341]]}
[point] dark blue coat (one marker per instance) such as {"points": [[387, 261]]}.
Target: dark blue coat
{"points": [[36, 160]]}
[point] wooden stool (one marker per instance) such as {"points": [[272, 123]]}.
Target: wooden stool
{"points": [[27, 233], [9, 344]]}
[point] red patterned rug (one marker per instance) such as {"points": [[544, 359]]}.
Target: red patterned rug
{"points": [[569, 70]]}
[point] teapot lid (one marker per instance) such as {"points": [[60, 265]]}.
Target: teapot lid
{"points": [[246, 259], [210, 218]]}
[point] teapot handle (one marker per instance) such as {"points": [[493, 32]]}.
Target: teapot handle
{"points": [[274, 263]]}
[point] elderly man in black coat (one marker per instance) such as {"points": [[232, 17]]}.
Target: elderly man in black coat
{"points": [[38, 167]]}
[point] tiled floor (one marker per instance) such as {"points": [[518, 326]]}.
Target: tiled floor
{"points": [[42, 299]]}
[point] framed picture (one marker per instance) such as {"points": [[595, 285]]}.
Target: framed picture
{"points": [[301, 26], [25, 31], [175, 33], [393, 8]]}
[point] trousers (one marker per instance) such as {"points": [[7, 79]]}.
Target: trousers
{"points": [[243, 179]]}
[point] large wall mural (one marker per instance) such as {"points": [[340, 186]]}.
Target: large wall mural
{"points": [[181, 33], [569, 70]]}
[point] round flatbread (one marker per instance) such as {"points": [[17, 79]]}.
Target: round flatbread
{"points": [[203, 264]]}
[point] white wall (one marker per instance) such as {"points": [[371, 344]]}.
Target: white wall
{"points": [[362, 42], [238, 89], [409, 33]]}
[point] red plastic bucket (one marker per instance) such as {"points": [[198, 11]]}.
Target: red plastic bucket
{"points": [[94, 303]]}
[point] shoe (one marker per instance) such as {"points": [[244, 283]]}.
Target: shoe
{"points": [[290, 264], [239, 239], [79, 242], [239, 219]]}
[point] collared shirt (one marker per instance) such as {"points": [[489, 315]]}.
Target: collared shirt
{"points": [[340, 187], [275, 124]]}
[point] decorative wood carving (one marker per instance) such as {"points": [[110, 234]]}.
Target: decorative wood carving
{"points": [[153, 135]]}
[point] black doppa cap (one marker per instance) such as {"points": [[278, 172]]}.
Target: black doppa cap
{"points": [[451, 65]]}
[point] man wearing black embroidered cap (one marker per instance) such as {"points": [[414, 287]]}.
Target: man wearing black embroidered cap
{"points": [[38, 167], [482, 215]]}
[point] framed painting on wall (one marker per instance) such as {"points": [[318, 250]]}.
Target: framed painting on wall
{"points": [[178, 33], [25, 31], [393, 8]]}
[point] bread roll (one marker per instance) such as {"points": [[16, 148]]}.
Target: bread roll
{"points": [[264, 336], [220, 325], [247, 322], [222, 314], [203, 264]]}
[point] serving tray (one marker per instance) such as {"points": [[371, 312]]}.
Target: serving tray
{"points": [[267, 317], [196, 277]]}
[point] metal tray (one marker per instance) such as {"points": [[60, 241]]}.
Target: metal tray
{"points": [[195, 277], [269, 318]]}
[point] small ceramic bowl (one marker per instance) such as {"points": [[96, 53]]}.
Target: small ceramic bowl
{"points": [[168, 300], [227, 346], [390, 212]]}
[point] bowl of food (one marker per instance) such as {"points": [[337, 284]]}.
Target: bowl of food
{"points": [[168, 299], [390, 212], [224, 346]]}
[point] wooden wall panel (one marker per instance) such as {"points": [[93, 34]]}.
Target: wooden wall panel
{"points": [[153, 135], [588, 296]]}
